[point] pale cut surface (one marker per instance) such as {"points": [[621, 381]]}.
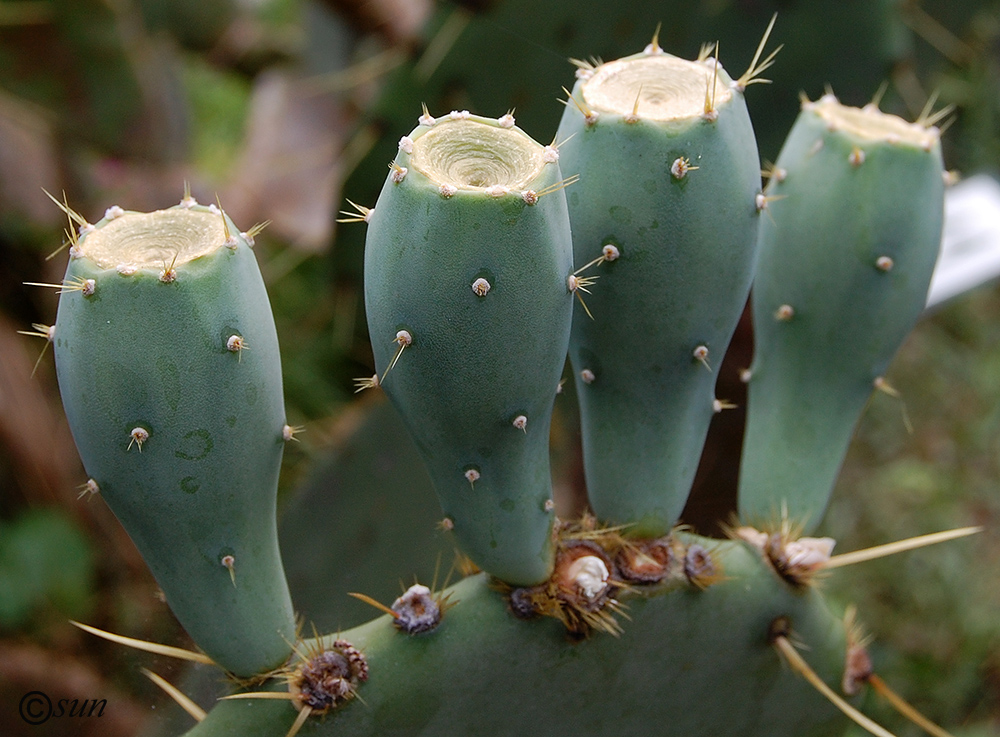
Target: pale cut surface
{"points": [[871, 123], [668, 88], [154, 240], [468, 154]]}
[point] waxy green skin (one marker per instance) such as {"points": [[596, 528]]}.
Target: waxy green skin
{"points": [[476, 363], [695, 663], [143, 353], [687, 252], [812, 375]]}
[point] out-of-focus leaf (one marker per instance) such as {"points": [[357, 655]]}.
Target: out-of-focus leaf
{"points": [[399, 21], [28, 161], [289, 171], [32, 427], [45, 562]]}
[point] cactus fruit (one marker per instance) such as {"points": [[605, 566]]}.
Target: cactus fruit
{"points": [[669, 174], [168, 366], [847, 247], [466, 264]]}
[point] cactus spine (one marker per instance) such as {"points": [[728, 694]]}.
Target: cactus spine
{"points": [[466, 267], [847, 252], [168, 366], [668, 178]]}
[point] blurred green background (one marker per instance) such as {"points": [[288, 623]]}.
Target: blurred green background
{"points": [[284, 108]]}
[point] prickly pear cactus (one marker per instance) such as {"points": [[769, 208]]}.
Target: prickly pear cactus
{"points": [[848, 245], [665, 216], [466, 263], [168, 366], [483, 670]]}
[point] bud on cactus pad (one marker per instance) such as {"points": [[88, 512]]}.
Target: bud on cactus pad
{"points": [[168, 366], [466, 265], [847, 249], [666, 206]]}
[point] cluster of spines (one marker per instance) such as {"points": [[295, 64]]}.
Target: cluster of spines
{"points": [[595, 565], [800, 561]]}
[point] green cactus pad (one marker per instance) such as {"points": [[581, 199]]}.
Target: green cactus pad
{"points": [[168, 366], [467, 257], [693, 662], [848, 246], [668, 177]]}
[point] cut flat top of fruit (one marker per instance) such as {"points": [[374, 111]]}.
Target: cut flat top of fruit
{"points": [[871, 123], [473, 154], [157, 239], [658, 87]]}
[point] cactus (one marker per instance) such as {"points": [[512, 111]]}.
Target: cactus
{"points": [[669, 176], [168, 366], [375, 520], [466, 263], [485, 670], [855, 209]]}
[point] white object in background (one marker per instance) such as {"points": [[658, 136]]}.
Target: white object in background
{"points": [[970, 246]]}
